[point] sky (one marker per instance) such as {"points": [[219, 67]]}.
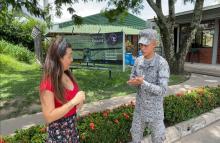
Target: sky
{"points": [[90, 8]]}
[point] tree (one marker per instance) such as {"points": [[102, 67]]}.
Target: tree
{"points": [[166, 26], [165, 23], [16, 5], [33, 7]]}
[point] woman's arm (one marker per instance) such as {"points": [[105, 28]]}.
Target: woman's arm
{"points": [[48, 108]]}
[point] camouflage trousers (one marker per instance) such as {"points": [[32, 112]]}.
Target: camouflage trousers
{"points": [[157, 130]]}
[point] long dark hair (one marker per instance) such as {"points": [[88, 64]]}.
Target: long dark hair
{"points": [[53, 68]]}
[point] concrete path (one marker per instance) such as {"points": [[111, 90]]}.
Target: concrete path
{"points": [[184, 131], [196, 80], [210, 134], [200, 68]]}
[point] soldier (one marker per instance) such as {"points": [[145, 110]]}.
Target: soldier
{"points": [[150, 74]]}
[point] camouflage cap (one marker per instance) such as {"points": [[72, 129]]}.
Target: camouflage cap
{"points": [[147, 36]]}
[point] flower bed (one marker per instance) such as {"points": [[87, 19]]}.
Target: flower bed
{"points": [[113, 126]]}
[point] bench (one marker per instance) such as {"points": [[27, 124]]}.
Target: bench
{"points": [[93, 68]]}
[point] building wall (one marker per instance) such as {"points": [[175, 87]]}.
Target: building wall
{"points": [[218, 55], [203, 55], [202, 49]]}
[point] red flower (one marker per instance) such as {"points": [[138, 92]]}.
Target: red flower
{"points": [[126, 116], [92, 126], [105, 114], [179, 94], [1, 140], [116, 121]]}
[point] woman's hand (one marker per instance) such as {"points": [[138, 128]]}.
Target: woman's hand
{"points": [[79, 98], [78, 107]]}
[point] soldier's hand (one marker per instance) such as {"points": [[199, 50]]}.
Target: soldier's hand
{"points": [[136, 81]]}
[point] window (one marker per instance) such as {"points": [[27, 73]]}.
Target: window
{"points": [[207, 39], [204, 36]]}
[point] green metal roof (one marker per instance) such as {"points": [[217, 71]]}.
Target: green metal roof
{"points": [[98, 19], [88, 28], [98, 23]]}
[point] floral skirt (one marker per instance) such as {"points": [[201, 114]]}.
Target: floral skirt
{"points": [[63, 131]]}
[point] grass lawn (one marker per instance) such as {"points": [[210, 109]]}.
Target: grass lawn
{"points": [[19, 88]]}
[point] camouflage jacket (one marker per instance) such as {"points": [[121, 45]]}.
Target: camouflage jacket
{"points": [[149, 98]]}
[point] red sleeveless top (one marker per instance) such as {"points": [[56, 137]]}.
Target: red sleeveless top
{"points": [[68, 94]]}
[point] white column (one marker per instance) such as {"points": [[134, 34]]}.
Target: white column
{"points": [[123, 53], [215, 42]]}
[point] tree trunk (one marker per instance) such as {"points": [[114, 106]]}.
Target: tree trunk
{"points": [[166, 37], [178, 66], [166, 25], [196, 19]]}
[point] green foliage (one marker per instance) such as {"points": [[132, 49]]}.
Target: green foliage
{"points": [[18, 52], [35, 134], [18, 32], [113, 126], [121, 7], [17, 5], [108, 126], [14, 33], [216, 93], [183, 107]]}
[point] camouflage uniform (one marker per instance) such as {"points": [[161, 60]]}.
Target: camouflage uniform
{"points": [[149, 99]]}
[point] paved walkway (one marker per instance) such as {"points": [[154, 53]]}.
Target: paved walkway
{"points": [[196, 80], [207, 69], [210, 134]]}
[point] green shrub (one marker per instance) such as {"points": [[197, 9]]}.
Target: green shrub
{"points": [[216, 92], [18, 52], [114, 126], [107, 126], [178, 108], [18, 32], [34, 134]]}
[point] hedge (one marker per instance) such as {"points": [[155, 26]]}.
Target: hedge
{"points": [[114, 126]]}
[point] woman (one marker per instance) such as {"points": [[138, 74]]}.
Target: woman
{"points": [[59, 94]]}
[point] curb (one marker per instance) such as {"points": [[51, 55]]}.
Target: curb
{"points": [[176, 132]]}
